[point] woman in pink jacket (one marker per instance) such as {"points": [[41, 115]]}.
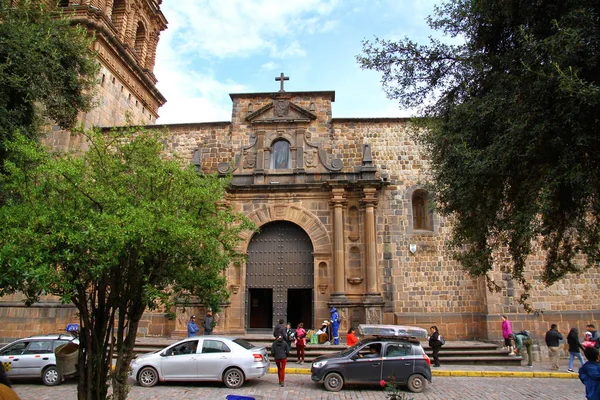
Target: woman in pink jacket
{"points": [[506, 334]]}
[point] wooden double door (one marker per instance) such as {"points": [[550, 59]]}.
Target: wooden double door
{"points": [[279, 277]]}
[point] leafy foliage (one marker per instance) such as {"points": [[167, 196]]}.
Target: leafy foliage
{"points": [[47, 69], [114, 230], [511, 103]]}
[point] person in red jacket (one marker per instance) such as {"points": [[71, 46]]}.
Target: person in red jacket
{"points": [[351, 339]]}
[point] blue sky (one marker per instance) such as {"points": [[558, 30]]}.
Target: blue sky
{"points": [[212, 48]]}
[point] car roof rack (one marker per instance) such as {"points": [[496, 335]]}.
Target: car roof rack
{"points": [[392, 331]]}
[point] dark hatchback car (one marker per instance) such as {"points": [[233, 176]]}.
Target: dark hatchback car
{"points": [[399, 360]]}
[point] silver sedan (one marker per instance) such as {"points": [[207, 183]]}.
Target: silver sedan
{"points": [[202, 358]]}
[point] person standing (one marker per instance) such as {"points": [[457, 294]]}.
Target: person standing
{"points": [[574, 348], [435, 344], [553, 338], [280, 352], [506, 334], [351, 339], [595, 335], [335, 325], [192, 327], [279, 329], [289, 334], [589, 373], [300, 343], [208, 323]]}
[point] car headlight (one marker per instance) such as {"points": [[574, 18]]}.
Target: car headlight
{"points": [[319, 364]]}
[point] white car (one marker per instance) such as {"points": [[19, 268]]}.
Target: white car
{"points": [[34, 357], [202, 358]]}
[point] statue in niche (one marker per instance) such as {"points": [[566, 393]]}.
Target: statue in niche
{"points": [[309, 158], [249, 159]]}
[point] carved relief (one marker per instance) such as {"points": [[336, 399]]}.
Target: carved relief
{"points": [[309, 158], [249, 159], [282, 108], [373, 315]]}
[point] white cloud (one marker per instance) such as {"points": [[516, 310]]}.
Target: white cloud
{"points": [[238, 28], [269, 66]]}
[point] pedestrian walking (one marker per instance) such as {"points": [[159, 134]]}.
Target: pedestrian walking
{"points": [[300, 343], [208, 323], [507, 334], [574, 348], [435, 344], [523, 340], [553, 338], [280, 351], [192, 327], [589, 373]]}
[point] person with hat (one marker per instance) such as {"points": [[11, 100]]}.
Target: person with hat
{"points": [[192, 327], [324, 334], [335, 325]]}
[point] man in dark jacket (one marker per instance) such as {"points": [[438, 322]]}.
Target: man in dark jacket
{"points": [[280, 330], [553, 338], [208, 323], [280, 351]]}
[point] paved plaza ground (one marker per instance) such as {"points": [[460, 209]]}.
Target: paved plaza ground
{"points": [[449, 382], [300, 387]]}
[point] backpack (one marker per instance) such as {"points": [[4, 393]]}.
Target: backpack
{"points": [[442, 340]]}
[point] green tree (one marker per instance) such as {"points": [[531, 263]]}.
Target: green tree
{"points": [[47, 69], [511, 107], [114, 231]]}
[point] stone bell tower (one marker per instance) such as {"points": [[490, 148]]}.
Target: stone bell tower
{"points": [[126, 36]]}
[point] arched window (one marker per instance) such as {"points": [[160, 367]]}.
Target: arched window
{"points": [[118, 13], [422, 213], [140, 40], [280, 156]]}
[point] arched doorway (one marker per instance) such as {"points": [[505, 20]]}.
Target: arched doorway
{"points": [[279, 276]]}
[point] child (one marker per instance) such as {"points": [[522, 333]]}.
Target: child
{"points": [[587, 341]]}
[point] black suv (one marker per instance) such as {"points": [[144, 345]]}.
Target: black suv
{"points": [[399, 360]]}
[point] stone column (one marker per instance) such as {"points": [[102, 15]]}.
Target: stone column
{"points": [[338, 202], [370, 201]]}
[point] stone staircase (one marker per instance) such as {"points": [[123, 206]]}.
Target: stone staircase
{"points": [[452, 353]]}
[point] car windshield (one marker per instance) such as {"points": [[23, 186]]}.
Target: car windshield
{"points": [[244, 343], [349, 350]]}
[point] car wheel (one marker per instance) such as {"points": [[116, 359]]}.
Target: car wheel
{"points": [[233, 378], [416, 383], [148, 377], [333, 382], [51, 376]]}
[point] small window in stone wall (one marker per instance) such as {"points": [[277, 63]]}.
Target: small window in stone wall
{"points": [[422, 213], [280, 155]]}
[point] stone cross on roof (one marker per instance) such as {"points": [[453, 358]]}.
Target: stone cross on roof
{"points": [[282, 78]]}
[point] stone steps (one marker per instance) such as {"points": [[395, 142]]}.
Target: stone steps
{"points": [[454, 353]]}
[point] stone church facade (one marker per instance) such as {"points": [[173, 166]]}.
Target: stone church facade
{"points": [[344, 222]]}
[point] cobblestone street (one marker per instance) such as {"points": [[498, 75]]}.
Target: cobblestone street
{"points": [[299, 387]]}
